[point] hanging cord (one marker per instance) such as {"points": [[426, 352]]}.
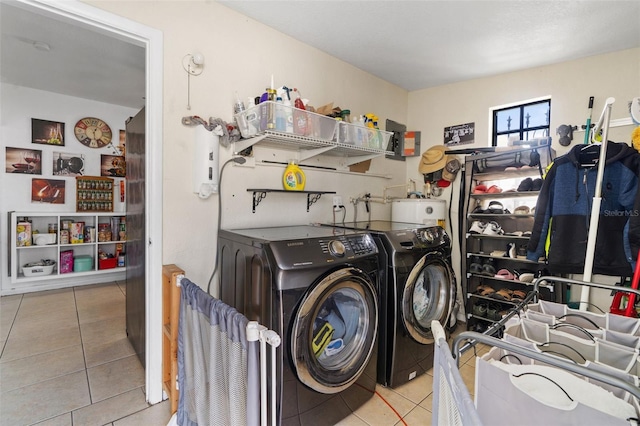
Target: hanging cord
{"points": [[238, 160]]}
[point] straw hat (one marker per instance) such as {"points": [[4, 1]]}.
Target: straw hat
{"points": [[451, 169], [432, 160]]}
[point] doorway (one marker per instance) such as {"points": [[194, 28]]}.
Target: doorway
{"points": [[76, 13]]}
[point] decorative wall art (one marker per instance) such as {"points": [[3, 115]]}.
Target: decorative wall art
{"points": [[21, 160], [113, 166], [47, 191], [122, 142], [462, 134], [65, 164], [47, 132]]}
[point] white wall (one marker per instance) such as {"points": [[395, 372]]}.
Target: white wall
{"points": [[241, 54], [19, 105], [570, 84]]}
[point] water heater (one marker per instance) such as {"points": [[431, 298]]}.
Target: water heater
{"points": [[423, 211]]}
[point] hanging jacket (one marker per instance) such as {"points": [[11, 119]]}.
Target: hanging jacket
{"points": [[564, 205]]}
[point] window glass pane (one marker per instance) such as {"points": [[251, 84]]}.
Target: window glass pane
{"points": [[534, 134], [536, 115], [508, 119], [503, 140]]}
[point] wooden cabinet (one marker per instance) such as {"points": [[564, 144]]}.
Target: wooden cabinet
{"points": [[171, 276]]}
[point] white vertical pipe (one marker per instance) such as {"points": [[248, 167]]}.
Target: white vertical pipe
{"points": [[603, 123], [263, 381]]}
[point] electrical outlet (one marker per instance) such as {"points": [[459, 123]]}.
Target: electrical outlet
{"points": [[337, 201]]}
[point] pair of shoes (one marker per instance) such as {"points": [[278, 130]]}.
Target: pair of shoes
{"points": [[503, 294], [529, 184], [493, 312], [475, 267], [484, 290], [496, 207], [493, 228], [479, 310], [477, 227], [489, 268], [485, 228], [518, 295], [511, 251], [482, 189], [521, 210], [505, 274]]}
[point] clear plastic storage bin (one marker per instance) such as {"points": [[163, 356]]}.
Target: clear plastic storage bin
{"points": [[366, 137], [282, 118]]}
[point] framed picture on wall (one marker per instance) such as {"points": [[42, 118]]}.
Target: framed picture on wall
{"points": [[66, 164], [47, 132], [47, 191], [22, 160], [113, 166]]}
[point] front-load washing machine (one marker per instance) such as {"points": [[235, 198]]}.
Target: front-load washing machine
{"points": [[318, 289], [418, 286]]}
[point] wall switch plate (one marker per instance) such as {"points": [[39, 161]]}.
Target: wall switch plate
{"points": [[337, 201]]}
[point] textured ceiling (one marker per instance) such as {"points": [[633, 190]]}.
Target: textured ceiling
{"points": [[420, 44], [413, 44]]}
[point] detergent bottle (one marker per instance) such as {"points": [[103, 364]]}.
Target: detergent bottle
{"points": [[293, 178]]}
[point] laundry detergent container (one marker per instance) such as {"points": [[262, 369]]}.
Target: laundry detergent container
{"points": [[422, 211]]}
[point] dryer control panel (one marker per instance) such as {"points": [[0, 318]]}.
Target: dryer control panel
{"points": [[322, 251]]}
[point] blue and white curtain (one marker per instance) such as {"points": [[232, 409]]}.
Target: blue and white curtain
{"points": [[218, 369]]}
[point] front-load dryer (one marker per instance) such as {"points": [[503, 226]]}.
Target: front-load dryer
{"points": [[418, 286], [318, 289]]}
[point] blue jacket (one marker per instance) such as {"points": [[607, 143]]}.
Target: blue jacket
{"points": [[564, 205]]}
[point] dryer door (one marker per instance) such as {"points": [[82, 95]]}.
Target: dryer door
{"points": [[334, 331], [429, 294]]}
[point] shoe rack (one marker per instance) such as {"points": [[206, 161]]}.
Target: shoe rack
{"points": [[500, 209]]}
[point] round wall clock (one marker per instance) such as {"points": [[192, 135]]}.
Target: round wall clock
{"points": [[93, 132]]}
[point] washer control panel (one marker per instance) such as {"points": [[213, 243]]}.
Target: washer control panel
{"points": [[322, 251]]}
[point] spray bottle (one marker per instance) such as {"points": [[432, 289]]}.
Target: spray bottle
{"points": [[300, 117], [280, 118], [240, 114], [288, 110]]}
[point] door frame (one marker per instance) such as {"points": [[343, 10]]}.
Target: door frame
{"points": [[151, 39]]}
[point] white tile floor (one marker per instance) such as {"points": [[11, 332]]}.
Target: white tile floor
{"points": [[66, 360]]}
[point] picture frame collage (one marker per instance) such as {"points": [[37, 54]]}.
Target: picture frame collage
{"points": [[29, 161]]}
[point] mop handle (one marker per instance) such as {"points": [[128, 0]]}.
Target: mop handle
{"points": [[588, 129]]}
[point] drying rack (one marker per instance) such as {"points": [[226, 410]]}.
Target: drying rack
{"points": [[452, 403]]}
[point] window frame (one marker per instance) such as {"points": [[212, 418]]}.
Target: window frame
{"points": [[521, 130]]}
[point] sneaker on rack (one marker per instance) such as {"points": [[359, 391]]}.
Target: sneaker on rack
{"points": [[493, 228], [477, 227]]}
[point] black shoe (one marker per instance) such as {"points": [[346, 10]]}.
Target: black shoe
{"points": [[525, 185], [476, 266], [488, 268], [536, 185]]}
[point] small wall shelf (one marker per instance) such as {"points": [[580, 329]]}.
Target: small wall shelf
{"points": [[260, 193]]}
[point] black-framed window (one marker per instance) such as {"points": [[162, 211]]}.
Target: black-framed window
{"points": [[521, 122]]}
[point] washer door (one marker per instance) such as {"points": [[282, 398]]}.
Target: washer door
{"points": [[429, 294], [334, 331]]}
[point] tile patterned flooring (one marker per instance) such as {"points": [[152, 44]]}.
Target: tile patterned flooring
{"points": [[66, 360]]}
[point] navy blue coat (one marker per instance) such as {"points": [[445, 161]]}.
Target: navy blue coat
{"points": [[564, 209]]}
